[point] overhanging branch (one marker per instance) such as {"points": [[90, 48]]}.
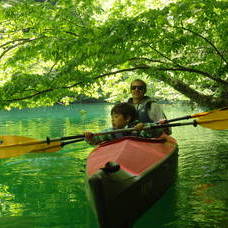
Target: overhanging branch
{"points": [[191, 70], [74, 85], [140, 67], [183, 68], [20, 42], [208, 41]]}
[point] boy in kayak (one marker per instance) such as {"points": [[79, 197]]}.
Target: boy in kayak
{"points": [[124, 116]]}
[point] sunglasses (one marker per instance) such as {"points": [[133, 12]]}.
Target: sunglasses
{"points": [[138, 87]]}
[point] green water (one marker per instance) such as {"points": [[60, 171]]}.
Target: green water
{"points": [[47, 189]]}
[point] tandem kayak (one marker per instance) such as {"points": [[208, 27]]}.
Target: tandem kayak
{"points": [[126, 176]]}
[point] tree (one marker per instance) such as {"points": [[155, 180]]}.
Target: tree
{"points": [[75, 44]]}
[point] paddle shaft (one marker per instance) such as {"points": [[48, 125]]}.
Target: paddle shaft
{"points": [[55, 147], [179, 118], [70, 142], [194, 123]]}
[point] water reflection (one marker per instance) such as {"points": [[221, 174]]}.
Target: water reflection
{"points": [[8, 205]]}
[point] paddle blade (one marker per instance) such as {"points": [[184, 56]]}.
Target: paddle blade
{"points": [[219, 113], [12, 146], [216, 119], [47, 148], [215, 124]]}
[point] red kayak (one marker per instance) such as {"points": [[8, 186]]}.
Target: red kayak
{"points": [[126, 176]]}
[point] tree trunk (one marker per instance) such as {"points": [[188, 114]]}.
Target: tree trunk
{"points": [[195, 96]]}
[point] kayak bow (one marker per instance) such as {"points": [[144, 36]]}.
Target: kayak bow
{"points": [[126, 176]]}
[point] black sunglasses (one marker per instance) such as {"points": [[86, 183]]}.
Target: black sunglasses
{"points": [[138, 87]]}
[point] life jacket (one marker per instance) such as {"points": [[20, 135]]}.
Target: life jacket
{"points": [[142, 112], [142, 109]]}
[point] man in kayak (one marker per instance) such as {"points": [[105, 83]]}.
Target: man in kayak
{"points": [[124, 116], [147, 109]]}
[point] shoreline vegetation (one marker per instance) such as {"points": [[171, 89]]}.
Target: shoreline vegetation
{"points": [[78, 51]]}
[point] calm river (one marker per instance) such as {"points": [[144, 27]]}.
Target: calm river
{"points": [[47, 189]]}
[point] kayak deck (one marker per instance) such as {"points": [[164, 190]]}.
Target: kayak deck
{"points": [[135, 155]]}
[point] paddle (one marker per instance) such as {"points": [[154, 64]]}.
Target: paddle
{"points": [[206, 119], [17, 145], [32, 145], [12, 141], [216, 114]]}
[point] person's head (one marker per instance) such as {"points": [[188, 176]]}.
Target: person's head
{"points": [[122, 114], [138, 89]]}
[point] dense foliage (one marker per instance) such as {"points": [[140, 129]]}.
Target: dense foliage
{"points": [[56, 50]]}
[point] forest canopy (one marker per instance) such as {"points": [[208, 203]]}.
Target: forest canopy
{"points": [[58, 51]]}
